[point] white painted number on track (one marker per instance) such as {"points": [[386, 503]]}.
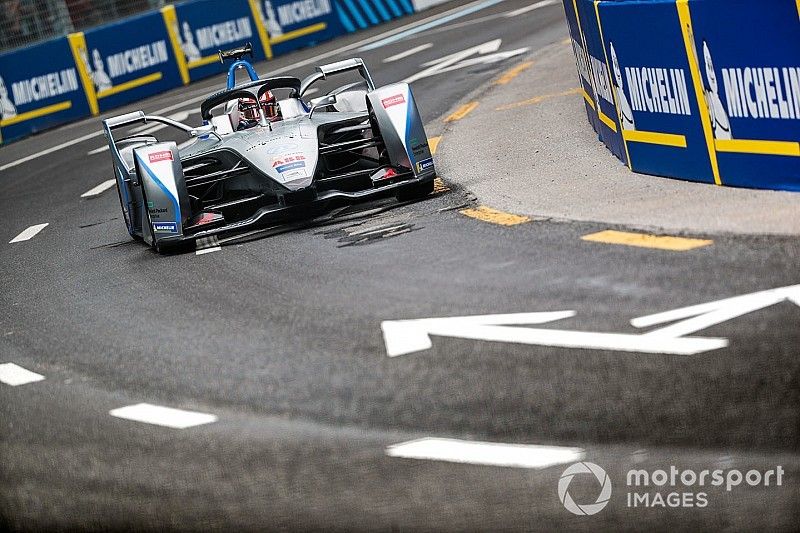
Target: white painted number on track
{"points": [[163, 416], [100, 189], [486, 453], [15, 375], [28, 233]]}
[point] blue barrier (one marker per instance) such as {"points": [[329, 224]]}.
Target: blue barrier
{"points": [[83, 74], [702, 90], [117, 71], [199, 29], [39, 88]]}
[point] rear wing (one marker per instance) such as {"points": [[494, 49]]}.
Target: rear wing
{"points": [[139, 117], [340, 67]]}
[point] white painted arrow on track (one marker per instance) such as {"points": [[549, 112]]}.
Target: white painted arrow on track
{"points": [[463, 59], [408, 336]]}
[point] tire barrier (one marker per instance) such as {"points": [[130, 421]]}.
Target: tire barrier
{"points": [[700, 90], [87, 73]]}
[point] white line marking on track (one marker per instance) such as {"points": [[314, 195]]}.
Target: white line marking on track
{"points": [[485, 453], [411, 52], [15, 375], [28, 233], [100, 189], [204, 251], [163, 416], [49, 151], [537, 5], [422, 25], [98, 150]]}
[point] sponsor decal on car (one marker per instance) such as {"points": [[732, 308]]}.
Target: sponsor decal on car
{"points": [[425, 164], [289, 162], [155, 157], [417, 147], [291, 166], [393, 101], [165, 227]]}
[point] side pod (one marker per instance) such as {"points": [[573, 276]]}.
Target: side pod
{"points": [[401, 127], [166, 207]]}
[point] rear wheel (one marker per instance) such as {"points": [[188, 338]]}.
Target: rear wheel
{"points": [[415, 191]]}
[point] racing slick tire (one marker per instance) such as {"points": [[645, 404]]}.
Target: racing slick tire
{"points": [[415, 191], [125, 215]]}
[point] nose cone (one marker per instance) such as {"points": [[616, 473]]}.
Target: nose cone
{"points": [[298, 183]]}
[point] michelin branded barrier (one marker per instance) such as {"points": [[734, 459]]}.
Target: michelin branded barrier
{"points": [[83, 74], [701, 90]]}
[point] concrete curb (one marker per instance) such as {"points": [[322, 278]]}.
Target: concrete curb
{"points": [[544, 160]]}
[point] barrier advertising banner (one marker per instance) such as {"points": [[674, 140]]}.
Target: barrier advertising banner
{"points": [[748, 58], [582, 63], [126, 61], [709, 92], [600, 76], [653, 86], [291, 24], [39, 88], [199, 30]]}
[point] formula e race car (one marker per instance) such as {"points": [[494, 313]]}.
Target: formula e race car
{"points": [[259, 159]]}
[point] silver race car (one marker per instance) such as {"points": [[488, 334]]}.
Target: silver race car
{"points": [[259, 159]]}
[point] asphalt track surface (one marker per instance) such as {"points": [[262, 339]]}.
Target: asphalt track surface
{"points": [[279, 337]]}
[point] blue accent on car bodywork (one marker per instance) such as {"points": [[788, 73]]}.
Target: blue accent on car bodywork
{"points": [[409, 106], [176, 206], [241, 63]]}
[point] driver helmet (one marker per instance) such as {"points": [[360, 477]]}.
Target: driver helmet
{"points": [[249, 110]]}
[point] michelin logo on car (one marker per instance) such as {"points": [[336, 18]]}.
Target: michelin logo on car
{"points": [[165, 227]]}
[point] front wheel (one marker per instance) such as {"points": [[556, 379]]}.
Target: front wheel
{"points": [[415, 191]]}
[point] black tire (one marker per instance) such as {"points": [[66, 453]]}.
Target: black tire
{"points": [[125, 214], [414, 191]]}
